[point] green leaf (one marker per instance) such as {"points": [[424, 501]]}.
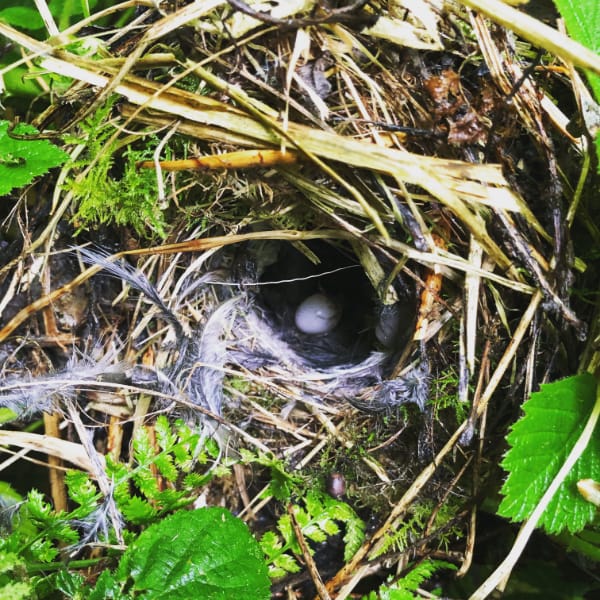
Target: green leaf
{"points": [[82, 491], [8, 495], [283, 564], [137, 510], [582, 19], [23, 160], [205, 553], [15, 591], [22, 16], [9, 560], [106, 587], [69, 583], [403, 588], [164, 436], [7, 415], [540, 442]]}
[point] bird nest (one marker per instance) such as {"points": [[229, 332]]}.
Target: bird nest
{"points": [[365, 252]]}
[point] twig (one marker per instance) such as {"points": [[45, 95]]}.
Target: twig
{"points": [[310, 563]]}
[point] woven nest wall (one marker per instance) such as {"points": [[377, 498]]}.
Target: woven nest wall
{"points": [[357, 259]]}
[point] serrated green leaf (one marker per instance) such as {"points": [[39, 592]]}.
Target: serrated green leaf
{"points": [[314, 533], [196, 480], [23, 160], [205, 553], [354, 536], [69, 583], [43, 550], [168, 500], [270, 543], [403, 588], [540, 442], [287, 563], [284, 524], [146, 481]]}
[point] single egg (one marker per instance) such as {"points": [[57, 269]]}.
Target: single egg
{"points": [[317, 314]]}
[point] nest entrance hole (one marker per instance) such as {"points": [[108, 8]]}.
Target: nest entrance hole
{"points": [[337, 276]]}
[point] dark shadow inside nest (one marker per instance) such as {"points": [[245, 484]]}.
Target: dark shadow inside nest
{"points": [[362, 324]]}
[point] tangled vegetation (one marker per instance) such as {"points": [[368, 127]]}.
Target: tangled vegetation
{"points": [[179, 180]]}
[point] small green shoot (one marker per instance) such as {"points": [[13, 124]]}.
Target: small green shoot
{"points": [[319, 517], [405, 588]]}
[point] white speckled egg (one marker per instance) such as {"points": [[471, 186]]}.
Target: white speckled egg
{"points": [[317, 314]]}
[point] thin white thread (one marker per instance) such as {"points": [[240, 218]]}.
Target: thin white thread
{"points": [[252, 284]]}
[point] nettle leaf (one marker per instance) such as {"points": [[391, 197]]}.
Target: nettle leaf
{"points": [[205, 553], [23, 160], [540, 442]]}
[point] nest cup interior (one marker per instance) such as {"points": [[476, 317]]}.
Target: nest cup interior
{"points": [[352, 308]]}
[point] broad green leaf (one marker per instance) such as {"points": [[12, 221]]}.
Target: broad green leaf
{"points": [[22, 16], [205, 553], [540, 441], [23, 160]]}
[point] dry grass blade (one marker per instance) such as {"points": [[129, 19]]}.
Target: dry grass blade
{"points": [[69, 452], [535, 31], [444, 179]]}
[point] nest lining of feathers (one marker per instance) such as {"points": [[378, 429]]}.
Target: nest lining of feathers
{"points": [[248, 299]]}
